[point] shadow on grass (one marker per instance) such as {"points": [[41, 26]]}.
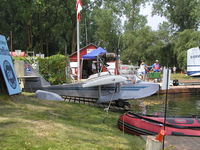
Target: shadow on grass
{"points": [[7, 124]]}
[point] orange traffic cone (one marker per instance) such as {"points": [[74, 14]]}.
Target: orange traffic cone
{"points": [[160, 135]]}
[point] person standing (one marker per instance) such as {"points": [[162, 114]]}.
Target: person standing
{"points": [[174, 69], [94, 67], [143, 70], [157, 71], [156, 66]]}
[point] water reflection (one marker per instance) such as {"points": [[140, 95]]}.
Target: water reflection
{"points": [[177, 105]]}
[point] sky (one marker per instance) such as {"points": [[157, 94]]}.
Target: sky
{"points": [[153, 21]]}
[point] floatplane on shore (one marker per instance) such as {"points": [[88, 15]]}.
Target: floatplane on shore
{"points": [[106, 87]]}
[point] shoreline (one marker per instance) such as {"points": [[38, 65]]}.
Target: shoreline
{"points": [[185, 86]]}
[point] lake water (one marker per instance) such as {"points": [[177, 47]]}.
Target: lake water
{"points": [[177, 105]]}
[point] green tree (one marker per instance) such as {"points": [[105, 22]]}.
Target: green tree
{"points": [[184, 41], [42, 26], [105, 24], [183, 14], [166, 46], [107, 29], [132, 50], [140, 44], [134, 21], [149, 45]]}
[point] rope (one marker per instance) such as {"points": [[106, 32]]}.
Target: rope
{"points": [[107, 109], [123, 126]]}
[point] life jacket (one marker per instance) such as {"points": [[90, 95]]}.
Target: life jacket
{"points": [[156, 66]]}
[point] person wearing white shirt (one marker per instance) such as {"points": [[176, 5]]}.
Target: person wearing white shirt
{"points": [[142, 70]]}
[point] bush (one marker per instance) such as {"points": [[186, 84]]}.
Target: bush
{"points": [[53, 69]]}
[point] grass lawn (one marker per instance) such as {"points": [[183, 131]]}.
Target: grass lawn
{"points": [[27, 123], [181, 76]]}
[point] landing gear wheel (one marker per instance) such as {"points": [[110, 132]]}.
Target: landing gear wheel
{"points": [[122, 103]]}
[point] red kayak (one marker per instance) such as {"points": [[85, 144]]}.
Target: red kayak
{"points": [[152, 125]]}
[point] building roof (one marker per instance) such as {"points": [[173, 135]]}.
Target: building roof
{"points": [[93, 54], [83, 48]]}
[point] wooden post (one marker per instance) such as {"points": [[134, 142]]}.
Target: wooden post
{"points": [[153, 144]]}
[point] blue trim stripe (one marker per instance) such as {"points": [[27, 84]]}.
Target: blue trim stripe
{"points": [[192, 72], [193, 65], [103, 88]]}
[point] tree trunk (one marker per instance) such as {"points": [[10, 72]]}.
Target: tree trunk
{"points": [[74, 44], [47, 46]]}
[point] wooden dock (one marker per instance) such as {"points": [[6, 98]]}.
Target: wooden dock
{"points": [[188, 88], [180, 142], [182, 89]]}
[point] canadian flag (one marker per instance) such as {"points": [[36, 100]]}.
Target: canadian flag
{"points": [[78, 9]]}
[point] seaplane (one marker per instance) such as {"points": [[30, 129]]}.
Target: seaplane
{"points": [[106, 87]]}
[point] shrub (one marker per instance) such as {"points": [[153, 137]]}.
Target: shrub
{"points": [[53, 69]]}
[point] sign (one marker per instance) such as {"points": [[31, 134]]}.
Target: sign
{"points": [[193, 61], [7, 69], [166, 78], [89, 50]]}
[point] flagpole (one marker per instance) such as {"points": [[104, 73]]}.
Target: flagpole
{"points": [[78, 50], [78, 9]]}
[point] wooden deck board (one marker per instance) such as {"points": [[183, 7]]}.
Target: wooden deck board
{"points": [[182, 89], [180, 142]]}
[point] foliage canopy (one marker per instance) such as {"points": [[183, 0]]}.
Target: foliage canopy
{"points": [[49, 27]]}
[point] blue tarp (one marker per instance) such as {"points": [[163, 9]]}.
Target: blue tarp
{"points": [[93, 54]]}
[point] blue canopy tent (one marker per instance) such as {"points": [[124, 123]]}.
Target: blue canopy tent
{"points": [[93, 54], [88, 58]]}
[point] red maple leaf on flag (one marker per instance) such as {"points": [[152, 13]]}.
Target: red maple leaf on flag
{"points": [[78, 9]]}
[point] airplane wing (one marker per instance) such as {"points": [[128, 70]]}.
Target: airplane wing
{"points": [[104, 80]]}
